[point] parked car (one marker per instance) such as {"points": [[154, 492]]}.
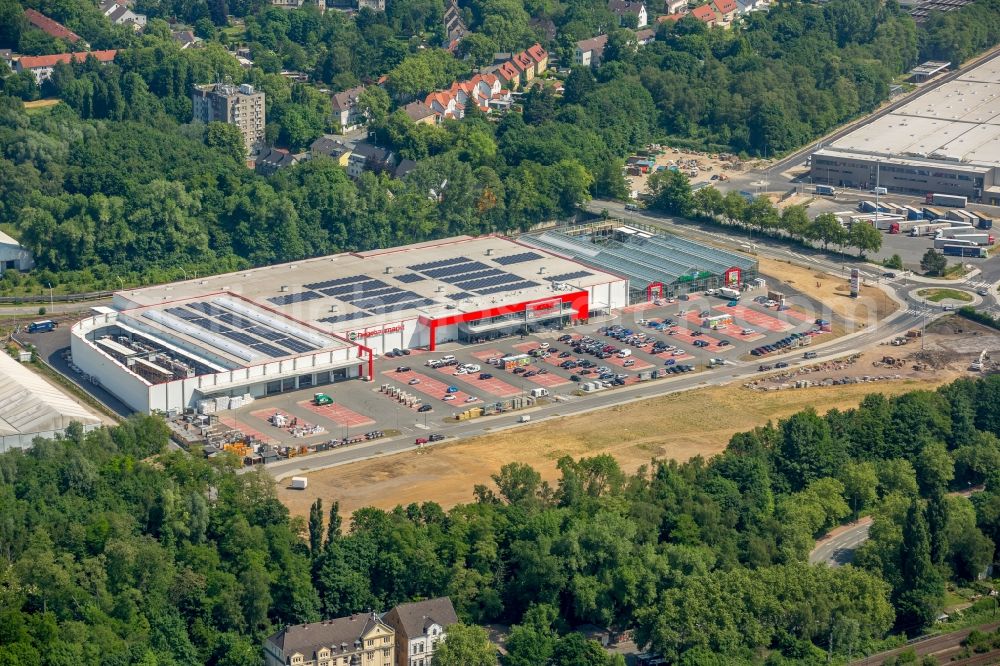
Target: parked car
{"points": [[486, 375], [448, 397], [425, 408], [402, 368], [436, 437], [415, 380], [451, 389]]}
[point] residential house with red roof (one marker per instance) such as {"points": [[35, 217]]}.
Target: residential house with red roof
{"points": [[540, 56], [525, 65], [705, 14], [726, 9], [508, 74], [42, 66], [51, 28]]}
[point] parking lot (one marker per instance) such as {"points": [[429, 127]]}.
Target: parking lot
{"points": [[670, 338]]}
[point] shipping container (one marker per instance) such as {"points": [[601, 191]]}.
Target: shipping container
{"points": [[947, 200]]}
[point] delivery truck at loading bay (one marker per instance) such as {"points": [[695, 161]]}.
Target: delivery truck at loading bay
{"points": [[952, 200]]}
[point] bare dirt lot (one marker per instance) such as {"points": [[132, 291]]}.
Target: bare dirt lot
{"points": [[678, 426], [706, 165], [834, 292]]}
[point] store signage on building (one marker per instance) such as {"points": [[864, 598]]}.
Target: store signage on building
{"points": [[362, 335], [545, 307], [732, 277]]}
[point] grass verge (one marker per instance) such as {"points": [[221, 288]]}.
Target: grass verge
{"points": [[938, 295]]}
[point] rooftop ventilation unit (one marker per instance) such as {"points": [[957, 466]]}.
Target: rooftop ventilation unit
{"points": [[489, 252]]}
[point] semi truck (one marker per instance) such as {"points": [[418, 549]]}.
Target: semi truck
{"points": [[903, 227], [928, 228], [952, 200], [973, 251], [827, 190]]}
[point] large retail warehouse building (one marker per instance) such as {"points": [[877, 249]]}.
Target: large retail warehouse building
{"points": [[313, 322], [945, 141]]}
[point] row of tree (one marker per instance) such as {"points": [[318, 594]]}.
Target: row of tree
{"points": [[671, 193], [119, 553]]}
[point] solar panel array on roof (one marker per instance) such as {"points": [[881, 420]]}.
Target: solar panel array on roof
{"points": [[206, 308], [518, 258], [183, 313], [474, 275], [289, 299], [336, 282], [253, 335], [270, 350], [460, 295], [382, 309], [350, 316], [423, 268], [569, 276], [409, 278], [483, 283], [507, 287], [354, 287], [455, 269]]}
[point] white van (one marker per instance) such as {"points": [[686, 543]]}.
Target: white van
{"points": [[447, 358], [624, 353], [524, 419]]}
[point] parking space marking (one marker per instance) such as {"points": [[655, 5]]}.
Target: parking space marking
{"points": [[494, 386], [339, 414], [430, 387], [548, 380], [246, 429], [801, 316], [639, 364], [756, 319]]}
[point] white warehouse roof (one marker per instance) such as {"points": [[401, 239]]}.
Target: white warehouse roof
{"points": [[30, 404]]}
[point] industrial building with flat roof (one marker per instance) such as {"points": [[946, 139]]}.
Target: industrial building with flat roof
{"points": [[308, 323], [945, 141]]}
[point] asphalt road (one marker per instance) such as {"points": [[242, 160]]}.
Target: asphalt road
{"points": [[839, 549]]}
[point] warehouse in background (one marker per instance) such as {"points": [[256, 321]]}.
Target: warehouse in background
{"points": [[13, 257], [946, 141], [31, 407]]}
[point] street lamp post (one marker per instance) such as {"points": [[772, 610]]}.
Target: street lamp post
{"points": [[49, 284]]}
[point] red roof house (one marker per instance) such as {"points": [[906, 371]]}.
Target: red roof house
{"points": [[705, 13], [50, 27]]}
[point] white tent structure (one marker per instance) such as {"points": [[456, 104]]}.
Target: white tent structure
{"points": [[32, 407]]}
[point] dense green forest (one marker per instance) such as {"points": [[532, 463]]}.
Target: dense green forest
{"points": [[117, 187], [118, 553]]}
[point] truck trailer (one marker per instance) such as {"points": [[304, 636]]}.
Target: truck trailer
{"points": [[933, 213], [727, 292], [978, 239], [953, 230], [973, 251], [827, 190], [963, 216], [928, 228], [985, 222], [952, 200], [914, 213]]}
